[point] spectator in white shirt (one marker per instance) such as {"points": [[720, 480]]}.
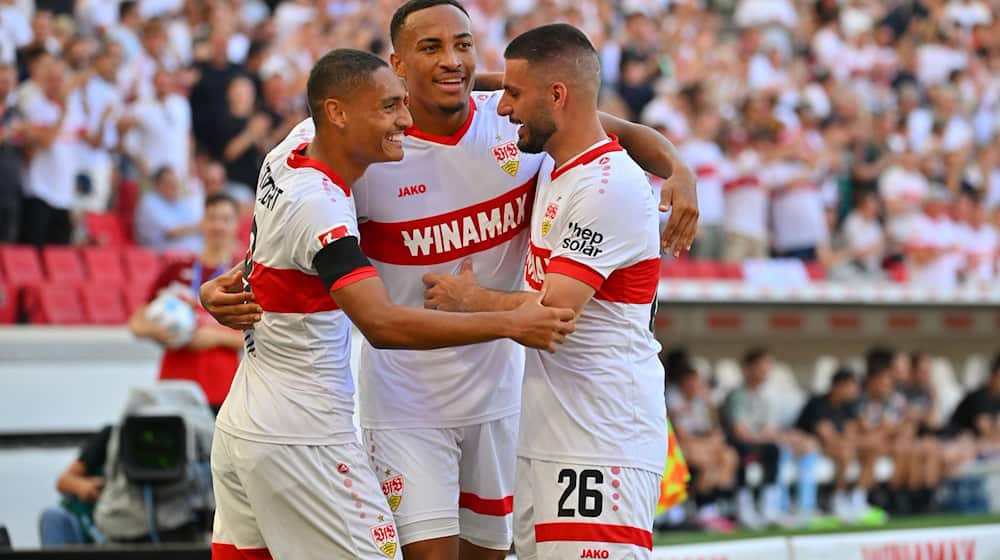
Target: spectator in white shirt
{"points": [[746, 205], [167, 217], [861, 242], [103, 105], [162, 126], [979, 239], [14, 23], [934, 245], [704, 156], [968, 13], [126, 32], [56, 124], [903, 188], [144, 65], [798, 218]]}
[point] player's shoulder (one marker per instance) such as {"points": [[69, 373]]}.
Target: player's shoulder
{"points": [[487, 101], [606, 167]]}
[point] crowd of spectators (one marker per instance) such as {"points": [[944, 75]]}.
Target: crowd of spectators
{"points": [[889, 410], [857, 133]]}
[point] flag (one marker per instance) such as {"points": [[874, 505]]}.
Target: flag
{"points": [[673, 485]]}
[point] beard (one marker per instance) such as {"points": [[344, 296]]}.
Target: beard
{"points": [[537, 131]]}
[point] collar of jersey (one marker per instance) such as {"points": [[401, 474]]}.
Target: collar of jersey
{"points": [[446, 140], [592, 153], [298, 159]]}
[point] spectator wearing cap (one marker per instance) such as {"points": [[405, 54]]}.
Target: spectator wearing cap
{"points": [[832, 419]]}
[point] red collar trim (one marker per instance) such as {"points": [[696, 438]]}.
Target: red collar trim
{"points": [[589, 156], [298, 159], [446, 140]]}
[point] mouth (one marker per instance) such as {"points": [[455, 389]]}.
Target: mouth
{"points": [[395, 139], [451, 85]]}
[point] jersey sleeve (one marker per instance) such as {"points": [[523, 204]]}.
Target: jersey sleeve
{"points": [[603, 231], [324, 240]]}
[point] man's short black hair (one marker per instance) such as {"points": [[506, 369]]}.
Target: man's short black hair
{"points": [[126, 7], [879, 358], [221, 198], [558, 43], [754, 355], [842, 375], [338, 74], [404, 11]]}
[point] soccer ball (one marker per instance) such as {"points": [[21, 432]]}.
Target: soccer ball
{"points": [[175, 315]]}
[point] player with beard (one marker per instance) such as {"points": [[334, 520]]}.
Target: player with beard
{"points": [[593, 437], [440, 426]]}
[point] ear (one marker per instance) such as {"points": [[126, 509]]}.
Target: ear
{"points": [[334, 111], [397, 65], [558, 94]]}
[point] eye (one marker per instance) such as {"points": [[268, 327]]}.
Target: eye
{"points": [[466, 45], [429, 48]]}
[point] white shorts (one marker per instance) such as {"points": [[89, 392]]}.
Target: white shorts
{"points": [[297, 502], [583, 511], [441, 482]]}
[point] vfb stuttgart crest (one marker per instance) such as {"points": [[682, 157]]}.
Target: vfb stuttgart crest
{"points": [[507, 156], [550, 214], [393, 490], [384, 536]]}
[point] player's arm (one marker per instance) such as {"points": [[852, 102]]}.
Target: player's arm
{"points": [[462, 292], [658, 156], [358, 291], [488, 81]]}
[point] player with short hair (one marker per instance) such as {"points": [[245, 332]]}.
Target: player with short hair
{"points": [[440, 427], [290, 478], [593, 438]]}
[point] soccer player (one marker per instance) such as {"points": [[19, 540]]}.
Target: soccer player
{"points": [[290, 477], [440, 427], [593, 437]]}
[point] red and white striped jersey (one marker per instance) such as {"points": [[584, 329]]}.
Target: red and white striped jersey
{"points": [[468, 195], [294, 385], [599, 398]]}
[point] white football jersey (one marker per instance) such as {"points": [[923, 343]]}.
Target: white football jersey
{"points": [[450, 199], [599, 399], [294, 384]]}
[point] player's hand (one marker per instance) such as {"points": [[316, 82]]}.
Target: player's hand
{"points": [[680, 194], [448, 292], [542, 327], [89, 489], [225, 299]]}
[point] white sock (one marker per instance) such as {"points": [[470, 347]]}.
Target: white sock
{"points": [[859, 499], [770, 499]]}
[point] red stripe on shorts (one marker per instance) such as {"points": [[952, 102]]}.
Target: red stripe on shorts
{"points": [[221, 551], [486, 506], [593, 532]]}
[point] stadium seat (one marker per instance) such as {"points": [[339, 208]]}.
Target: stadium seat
{"points": [[826, 366], [134, 296], [62, 266], [142, 266], [728, 376], [55, 304], [729, 270], [106, 230], [21, 265], [104, 266], [815, 271], [8, 304], [676, 269], [975, 371], [103, 304]]}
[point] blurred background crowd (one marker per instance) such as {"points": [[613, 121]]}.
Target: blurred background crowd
{"points": [[857, 134]]}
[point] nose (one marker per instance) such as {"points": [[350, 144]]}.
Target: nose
{"points": [[450, 59], [504, 108], [404, 119]]}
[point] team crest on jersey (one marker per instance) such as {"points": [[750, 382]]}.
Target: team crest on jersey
{"points": [[550, 214], [384, 536], [507, 155], [393, 490]]}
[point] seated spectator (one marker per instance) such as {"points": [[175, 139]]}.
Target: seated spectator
{"points": [[978, 413], [167, 218], [212, 356], [72, 521], [754, 431], [713, 463], [832, 418]]}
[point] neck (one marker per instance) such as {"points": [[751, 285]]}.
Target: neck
{"points": [[215, 256], [329, 151], [572, 139], [432, 120]]}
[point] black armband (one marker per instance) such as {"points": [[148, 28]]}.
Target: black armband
{"points": [[339, 259]]}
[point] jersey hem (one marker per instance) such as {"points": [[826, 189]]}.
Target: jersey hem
{"points": [[334, 439], [369, 424]]}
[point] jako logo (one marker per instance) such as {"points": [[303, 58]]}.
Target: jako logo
{"points": [[412, 190], [594, 553]]}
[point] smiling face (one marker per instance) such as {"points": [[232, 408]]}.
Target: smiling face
{"points": [[436, 56], [525, 102], [377, 117]]}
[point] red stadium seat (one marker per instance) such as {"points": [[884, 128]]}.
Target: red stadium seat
{"points": [[135, 297], [815, 271], [106, 230], [8, 304], [103, 304], [730, 270], [21, 265], [104, 266], [63, 266], [56, 304], [142, 266], [675, 269]]}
